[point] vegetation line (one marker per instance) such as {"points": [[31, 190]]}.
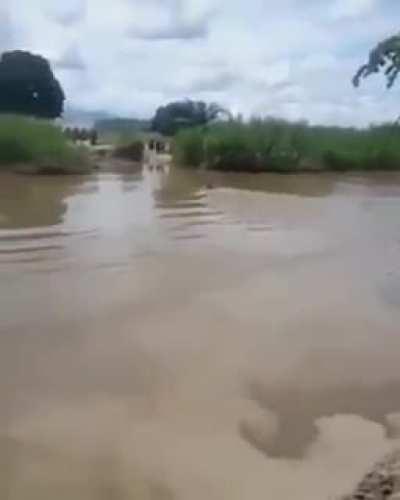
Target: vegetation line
{"points": [[37, 146], [280, 146]]}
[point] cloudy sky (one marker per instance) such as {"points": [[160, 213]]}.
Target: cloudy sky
{"points": [[289, 58]]}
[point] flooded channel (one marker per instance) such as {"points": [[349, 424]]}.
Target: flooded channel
{"points": [[172, 335]]}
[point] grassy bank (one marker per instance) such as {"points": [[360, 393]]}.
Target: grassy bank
{"points": [[34, 146], [280, 146]]}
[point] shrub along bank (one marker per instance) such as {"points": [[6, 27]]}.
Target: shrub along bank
{"points": [[36, 146], [280, 146]]}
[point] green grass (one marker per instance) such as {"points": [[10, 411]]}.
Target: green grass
{"points": [[36, 146], [188, 147], [279, 146]]}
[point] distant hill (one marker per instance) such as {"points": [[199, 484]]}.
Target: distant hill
{"points": [[105, 123], [75, 117], [121, 125]]}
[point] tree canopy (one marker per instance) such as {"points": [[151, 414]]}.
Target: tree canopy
{"points": [[181, 114], [28, 86], [384, 57]]}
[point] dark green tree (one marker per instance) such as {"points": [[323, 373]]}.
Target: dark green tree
{"points": [[385, 57], [28, 86], [182, 114]]}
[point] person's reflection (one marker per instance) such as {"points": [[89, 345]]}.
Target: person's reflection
{"points": [[178, 185], [156, 176], [130, 181]]}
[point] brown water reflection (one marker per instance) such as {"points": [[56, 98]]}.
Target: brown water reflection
{"points": [[299, 185], [26, 202], [298, 409], [160, 329]]}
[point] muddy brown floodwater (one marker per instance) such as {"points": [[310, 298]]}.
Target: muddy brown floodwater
{"points": [[164, 341]]}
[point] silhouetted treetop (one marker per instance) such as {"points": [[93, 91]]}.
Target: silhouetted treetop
{"points": [[180, 114], [384, 57], [28, 86]]}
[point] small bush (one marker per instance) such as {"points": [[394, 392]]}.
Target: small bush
{"points": [[133, 151], [339, 161], [191, 147]]}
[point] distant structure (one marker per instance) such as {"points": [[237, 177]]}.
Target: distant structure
{"points": [[82, 136], [157, 153], [159, 146]]}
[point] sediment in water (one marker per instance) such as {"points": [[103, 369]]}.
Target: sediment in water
{"points": [[382, 482]]}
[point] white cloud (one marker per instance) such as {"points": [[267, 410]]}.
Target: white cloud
{"points": [[173, 20], [6, 34], [66, 13], [352, 8], [70, 60], [294, 58]]}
